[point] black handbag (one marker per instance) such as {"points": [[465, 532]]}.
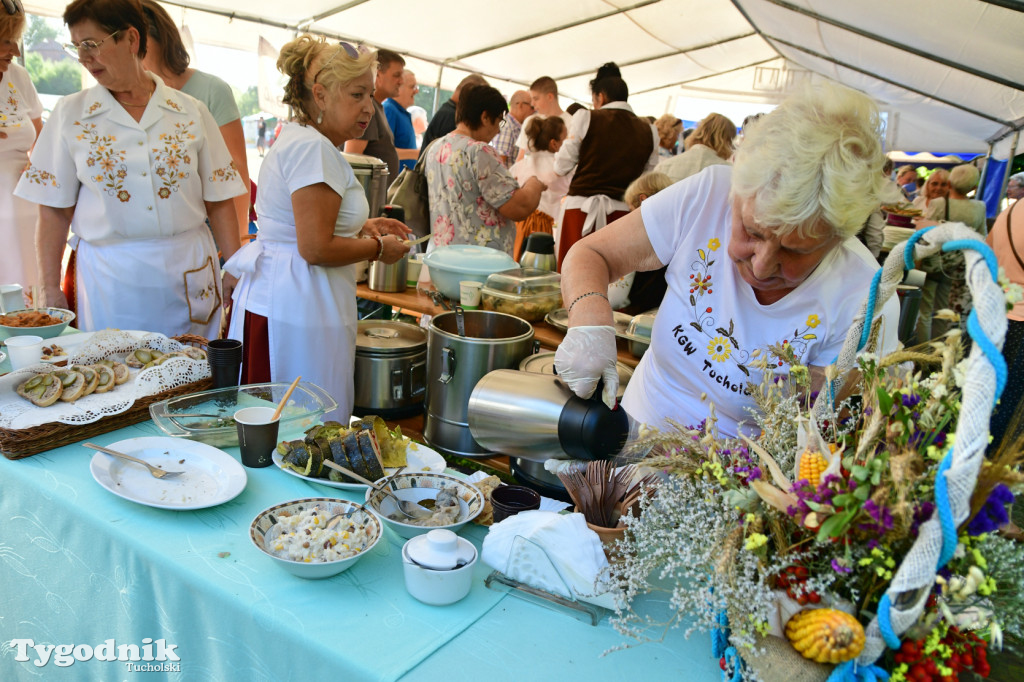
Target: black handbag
{"points": [[409, 190]]}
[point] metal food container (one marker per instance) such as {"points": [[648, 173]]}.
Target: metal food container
{"points": [[544, 363], [639, 333], [527, 293], [372, 174], [456, 363], [390, 369]]}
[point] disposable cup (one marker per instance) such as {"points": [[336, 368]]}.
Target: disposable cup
{"points": [[24, 350], [509, 500], [469, 294], [412, 270], [257, 435], [225, 358], [12, 297]]}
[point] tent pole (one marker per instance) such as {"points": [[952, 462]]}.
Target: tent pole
{"points": [[437, 90], [984, 170], [1009, 164]]}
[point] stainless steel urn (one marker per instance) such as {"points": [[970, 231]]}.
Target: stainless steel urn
{"points": [[454, 365]]}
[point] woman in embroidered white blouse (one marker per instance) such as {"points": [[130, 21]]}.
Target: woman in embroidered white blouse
{"points": [[134, 169]]}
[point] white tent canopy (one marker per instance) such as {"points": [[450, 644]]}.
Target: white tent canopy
{"points": [[948, 73]]}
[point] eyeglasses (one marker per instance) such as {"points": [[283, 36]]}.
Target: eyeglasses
{"points": [[348, 48], [86, 47]]}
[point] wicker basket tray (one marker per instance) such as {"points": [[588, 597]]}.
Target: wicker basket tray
{"points": [[21, 443]]}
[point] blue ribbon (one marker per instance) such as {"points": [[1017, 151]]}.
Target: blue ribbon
{"points": [[945, 512], [851, 672], [720, 636], [979, 246], [992, 353]]}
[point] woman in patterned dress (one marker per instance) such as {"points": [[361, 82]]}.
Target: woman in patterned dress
{"points": [[134, 169]]}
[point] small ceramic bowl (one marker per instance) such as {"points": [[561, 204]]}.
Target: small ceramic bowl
{"points": [[423, 486], [66, 317], [438, 587], [314, 570]]}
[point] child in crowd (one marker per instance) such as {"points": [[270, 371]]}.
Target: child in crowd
{"points": [[545, 137], [644, 289]]}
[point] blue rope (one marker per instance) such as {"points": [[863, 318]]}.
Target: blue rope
{"points": [[869, 309], [851, 672], [885, 625], [732, 658], [981, 247], [949, 540], [908, 250], [992, 353], [720, 636]]}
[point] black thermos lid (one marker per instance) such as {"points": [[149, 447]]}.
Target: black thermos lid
{"points": [[393, 211], [539, 242], [587, 429]]}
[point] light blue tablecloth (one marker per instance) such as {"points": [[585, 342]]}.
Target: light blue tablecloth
{"points": [[79, 565]]}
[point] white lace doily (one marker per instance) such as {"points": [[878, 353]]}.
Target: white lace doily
{"points": [[18, 413]]}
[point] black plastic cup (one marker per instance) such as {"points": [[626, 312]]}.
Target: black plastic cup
{"points": [[509, 500], [225, 358], [257, 435]]}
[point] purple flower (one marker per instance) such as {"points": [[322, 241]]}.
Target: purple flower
{"points": [[839, 566], [993, 514], [883, 521], [922, 513], [910, 400], [755, 474]]}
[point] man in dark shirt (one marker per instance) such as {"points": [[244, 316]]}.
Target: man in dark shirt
{"points": [[444, 120], [378, 140]]}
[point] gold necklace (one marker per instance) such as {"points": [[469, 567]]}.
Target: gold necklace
{"points": [[145, 104]]}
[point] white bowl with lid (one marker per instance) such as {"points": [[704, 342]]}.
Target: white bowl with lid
{"points": [[438, 567]]}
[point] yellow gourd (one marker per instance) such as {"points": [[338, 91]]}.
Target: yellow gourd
{"points": [[825, 635]]}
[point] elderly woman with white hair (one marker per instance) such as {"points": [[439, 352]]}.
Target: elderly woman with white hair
{"points": [[759, 253]]}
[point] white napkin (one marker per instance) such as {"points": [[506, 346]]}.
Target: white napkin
{"points": [[575, 556]]}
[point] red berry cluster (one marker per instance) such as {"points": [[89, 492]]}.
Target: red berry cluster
{"points": [[792, 579], [969, 653]]}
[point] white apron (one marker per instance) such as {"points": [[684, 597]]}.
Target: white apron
{"points": [[312, 322], [174, 284], [17, 216]]}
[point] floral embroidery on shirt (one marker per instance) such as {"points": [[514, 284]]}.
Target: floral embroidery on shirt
{"points": [[93, 107], [9, 114], [722, 343], [171, 164], [226, 174], [172, 104], [41, 177], [110, 161]]}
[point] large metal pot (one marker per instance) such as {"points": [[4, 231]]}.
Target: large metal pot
{"points": [[372, 174], [390, 369], [456, 363]]}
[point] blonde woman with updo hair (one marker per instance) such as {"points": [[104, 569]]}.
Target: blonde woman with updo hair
{"points": [[295, 304], [710, 144]]}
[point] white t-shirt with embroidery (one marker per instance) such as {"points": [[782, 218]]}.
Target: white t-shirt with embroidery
{"points": [[710, 323]]}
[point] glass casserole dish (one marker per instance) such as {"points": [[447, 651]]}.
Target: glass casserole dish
{"points": [[527, 293]]}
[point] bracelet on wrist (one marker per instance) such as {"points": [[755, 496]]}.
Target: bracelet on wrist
{"points": [[583, 296], [380, 247]]}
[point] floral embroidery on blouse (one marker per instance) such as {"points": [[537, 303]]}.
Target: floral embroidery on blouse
{"points": [[41, 177], [172, 104], [722, 343], [93, 107], [171, 164], [9, 115], [110, 161], [226, 174]]}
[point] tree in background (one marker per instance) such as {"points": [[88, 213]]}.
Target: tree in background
{"points": [[248, 101], [53, 78], [39, 30]]}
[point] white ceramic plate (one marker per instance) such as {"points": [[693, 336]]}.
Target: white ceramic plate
{"points": [[420, 458], [211, 476]]}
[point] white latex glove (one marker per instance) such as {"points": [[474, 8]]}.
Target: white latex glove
{"points": [[586, 355]]}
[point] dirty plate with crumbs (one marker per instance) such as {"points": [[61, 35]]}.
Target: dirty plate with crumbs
{"points": [[210, 477]]}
